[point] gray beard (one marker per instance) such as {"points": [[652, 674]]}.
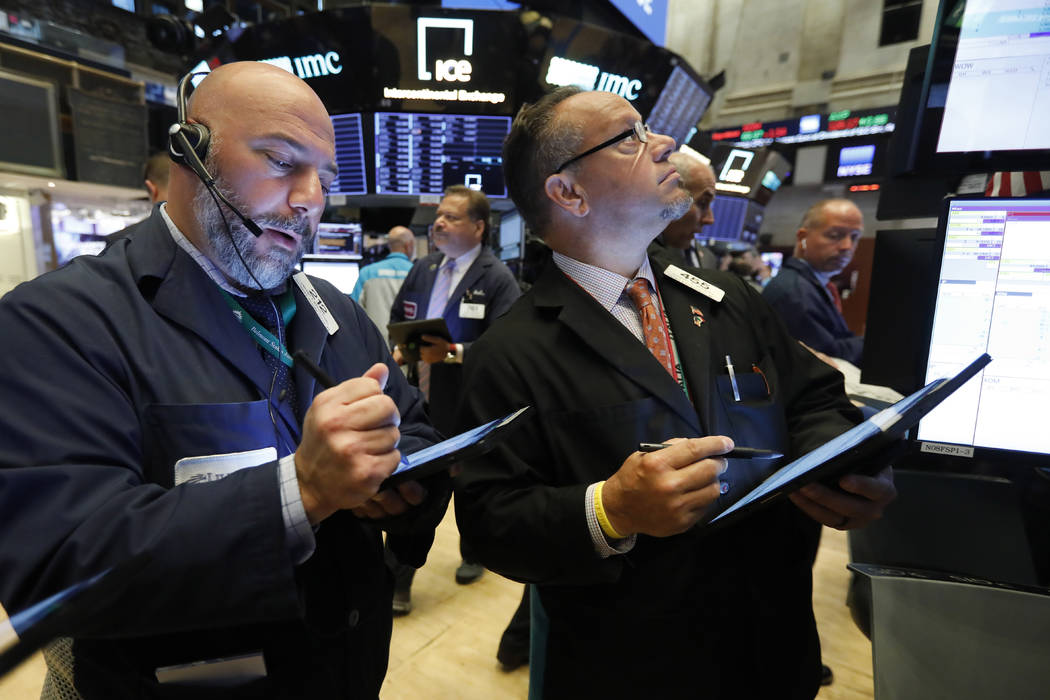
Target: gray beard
{"points": [[265, 271], [677, 209]]}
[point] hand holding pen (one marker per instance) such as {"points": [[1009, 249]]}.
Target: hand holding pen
{"points": [[667, 492], [349, 447]]}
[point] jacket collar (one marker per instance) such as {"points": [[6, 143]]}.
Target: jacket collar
{"points": [[185, 295], [609, 340]]}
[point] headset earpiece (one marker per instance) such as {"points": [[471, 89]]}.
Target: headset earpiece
{"points": [[195, 136], [188, 145]]}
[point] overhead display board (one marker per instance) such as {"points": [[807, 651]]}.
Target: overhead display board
{"points": [[387, 72], [426, 153], [813, 127]]}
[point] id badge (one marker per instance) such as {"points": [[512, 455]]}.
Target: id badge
{"points": [[469, 310]]}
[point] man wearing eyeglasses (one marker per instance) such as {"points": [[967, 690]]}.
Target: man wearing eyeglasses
{"points": [[632, 595], [467, 285]]}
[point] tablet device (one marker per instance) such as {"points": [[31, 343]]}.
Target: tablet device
{"points": [[864, 449], [441, 456], [408, 335]]}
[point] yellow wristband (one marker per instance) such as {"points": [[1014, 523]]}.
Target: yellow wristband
{"points": [[603, 519]]}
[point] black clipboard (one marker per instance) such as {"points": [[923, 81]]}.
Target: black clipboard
{"points": [[864, 449], [408, 335], [442, 455]]}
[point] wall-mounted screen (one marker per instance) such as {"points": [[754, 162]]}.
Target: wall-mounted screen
{"points": [[426, 153], [30, 111], [349, 155], [341, 272], [855, 160]]}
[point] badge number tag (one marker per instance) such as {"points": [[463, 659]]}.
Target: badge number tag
{"points": [[468, 310], [319, 307], [695, 283]]}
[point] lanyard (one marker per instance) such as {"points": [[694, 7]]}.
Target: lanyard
{"points": [[264, 338]]}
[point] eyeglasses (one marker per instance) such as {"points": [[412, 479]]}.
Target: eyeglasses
{"points": [[639, 131]]}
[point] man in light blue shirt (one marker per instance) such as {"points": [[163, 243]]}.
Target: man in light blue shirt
{"points": [[378, 283]]}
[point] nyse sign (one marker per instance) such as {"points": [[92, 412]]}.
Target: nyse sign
{"points": [[563, 71]]}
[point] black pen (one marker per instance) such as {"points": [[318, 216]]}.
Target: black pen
{"points": [[312, 369], [735, 453]]}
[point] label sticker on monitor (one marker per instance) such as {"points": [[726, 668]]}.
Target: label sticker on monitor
{"points": [[940, 448]]}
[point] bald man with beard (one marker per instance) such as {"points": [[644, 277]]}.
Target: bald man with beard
{"points": [[162, 419]]}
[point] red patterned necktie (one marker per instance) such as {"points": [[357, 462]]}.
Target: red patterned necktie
{"points": [[835, 298], [652, 323]]}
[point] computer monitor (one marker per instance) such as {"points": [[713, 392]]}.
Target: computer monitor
{"points": [[993, 295], [981, 98], [346, 239], [511, 235], [339, 270], [427, 153], [775, 259]]}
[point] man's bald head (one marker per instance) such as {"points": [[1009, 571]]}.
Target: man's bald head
{"points": [[400, 239], [233, 93], [272, 155]]}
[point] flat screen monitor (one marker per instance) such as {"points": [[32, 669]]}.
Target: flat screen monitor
{"points": [[30, 109], [999, 91], [775, 259], [681, 104], [984, 92], [993, 295], [426, 153], [736, 219], [511, 235], [339, 239], [340, 271], [349, 155]]}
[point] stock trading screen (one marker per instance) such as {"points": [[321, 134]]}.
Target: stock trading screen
{"points": [[349, 155], [425, 153]]}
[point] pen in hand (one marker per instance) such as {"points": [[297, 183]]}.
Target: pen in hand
{"points": [[735, 453], [312, 369]]}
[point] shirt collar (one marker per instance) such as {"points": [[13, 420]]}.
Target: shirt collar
{"points": [[604, 285], [463, 262], [822, 277]]}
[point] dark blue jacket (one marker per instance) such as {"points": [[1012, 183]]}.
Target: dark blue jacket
{"points": [[116, 366], [809, 313], [487, 282]]}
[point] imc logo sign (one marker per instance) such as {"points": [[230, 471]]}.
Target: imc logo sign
{"points": [[562, 71], [439, 56], [315, 65]]}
